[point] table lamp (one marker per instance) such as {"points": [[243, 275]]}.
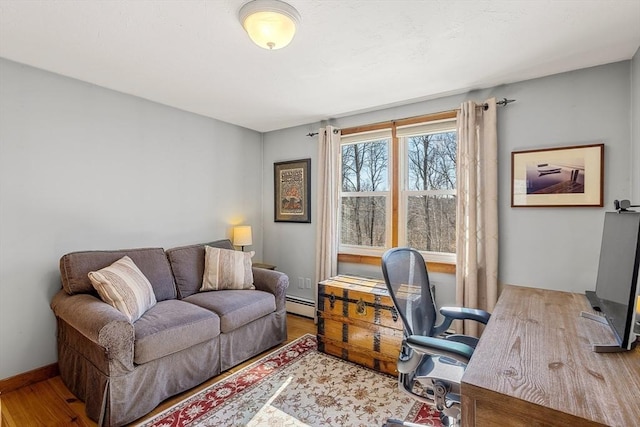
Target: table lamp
{"points": [[242, 236]]}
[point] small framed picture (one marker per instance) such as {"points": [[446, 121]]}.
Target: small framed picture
{"points": [[292, 192], [562, 176]]}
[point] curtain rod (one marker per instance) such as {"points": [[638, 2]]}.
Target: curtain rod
{"points": [[315, 133], [503, 103]]}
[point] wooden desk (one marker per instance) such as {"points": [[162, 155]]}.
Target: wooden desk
{"points": [[534, 366]]}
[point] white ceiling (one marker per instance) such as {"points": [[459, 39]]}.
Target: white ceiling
{"points": [[348, 55]]}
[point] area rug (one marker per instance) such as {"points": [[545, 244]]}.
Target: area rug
{"points": [[297, 385]]}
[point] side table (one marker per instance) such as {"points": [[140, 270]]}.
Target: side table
{"points": [[265, 266]]}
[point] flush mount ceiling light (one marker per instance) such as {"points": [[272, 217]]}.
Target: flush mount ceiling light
{"points": [[271, 24]]}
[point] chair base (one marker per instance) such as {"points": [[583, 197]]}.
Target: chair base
{"points": [[397, 423], [446, 421]]}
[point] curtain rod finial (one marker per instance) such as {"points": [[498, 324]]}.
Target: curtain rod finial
{"points": [[503, 102]]}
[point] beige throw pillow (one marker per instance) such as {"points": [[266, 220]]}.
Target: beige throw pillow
{"points": [[123, 286], [226, 269]]}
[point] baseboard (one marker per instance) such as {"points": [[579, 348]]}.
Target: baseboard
{"points": [[301, 306], [27, 378]]}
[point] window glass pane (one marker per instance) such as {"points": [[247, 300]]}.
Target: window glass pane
{"points": [[431, 223], [365, 166], [363, 221], [432, 161]]}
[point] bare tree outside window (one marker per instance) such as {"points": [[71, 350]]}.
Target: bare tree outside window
{"points": [[431, 199], [365, 171], [426, 172]]}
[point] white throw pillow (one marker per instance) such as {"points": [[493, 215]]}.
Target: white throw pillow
{"points": [[226, 269], [123, 286]]}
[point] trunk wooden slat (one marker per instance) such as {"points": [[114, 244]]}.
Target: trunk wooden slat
{"points": [[358, 322]]}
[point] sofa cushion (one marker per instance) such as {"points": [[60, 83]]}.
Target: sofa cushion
{"points": [[171, 326], [123, 286], [187, 263], [226, 269], [235, 307], [75, 268]]}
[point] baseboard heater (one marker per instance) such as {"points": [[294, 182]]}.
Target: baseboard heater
{"points": [[301, 306]]}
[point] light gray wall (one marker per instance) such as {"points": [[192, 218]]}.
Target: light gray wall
{"points": [[82, 167], [635, 128], [558, 248], [290, 246], [554, 248]]}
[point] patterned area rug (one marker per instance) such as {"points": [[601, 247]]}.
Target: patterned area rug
{"points": [[297, 385]]}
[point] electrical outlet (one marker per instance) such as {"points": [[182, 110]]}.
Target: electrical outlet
{"points": [[307, 283], [300, 283]]}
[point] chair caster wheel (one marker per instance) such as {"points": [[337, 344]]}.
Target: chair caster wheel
{"points": [[448, 421]]}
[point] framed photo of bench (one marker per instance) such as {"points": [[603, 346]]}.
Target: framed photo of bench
{"points": [[561, 176], [292, 191]]}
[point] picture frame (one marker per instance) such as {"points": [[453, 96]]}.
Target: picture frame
{"points": [[292, 191], [569, 176]]}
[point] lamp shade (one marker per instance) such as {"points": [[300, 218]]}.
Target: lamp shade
{"points": [[242, 235], [271, 24]]}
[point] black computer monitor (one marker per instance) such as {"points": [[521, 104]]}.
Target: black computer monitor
{"points": [[617, 282]]}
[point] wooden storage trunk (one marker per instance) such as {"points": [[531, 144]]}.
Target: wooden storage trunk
{"points": [[358, 322]]}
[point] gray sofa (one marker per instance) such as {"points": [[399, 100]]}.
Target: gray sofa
{"points": [[123, 370]]}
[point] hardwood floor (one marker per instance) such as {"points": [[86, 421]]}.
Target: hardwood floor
{"points": [[50, 403]]}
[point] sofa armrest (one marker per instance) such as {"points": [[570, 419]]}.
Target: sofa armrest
{"points": [[96, 330], [274, 282]]}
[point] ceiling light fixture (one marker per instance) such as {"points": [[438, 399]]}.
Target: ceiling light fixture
{"points": [[271, 24]]}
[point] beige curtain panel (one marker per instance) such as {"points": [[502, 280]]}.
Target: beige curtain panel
{"points": [[477, 211], [327, 196]]}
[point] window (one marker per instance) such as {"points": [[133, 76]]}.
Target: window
{"points": [[409, 200], [428, 193], [365, 199]]}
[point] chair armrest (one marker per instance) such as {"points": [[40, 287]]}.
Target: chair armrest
{"points": [[440, 347], [96, 330], [460, 313], [463, 313], [274, 282]]}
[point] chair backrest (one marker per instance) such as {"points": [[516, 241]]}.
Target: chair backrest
{"points": [[407, 280]]}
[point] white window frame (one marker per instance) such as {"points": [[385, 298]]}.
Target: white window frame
{"points": [[403, 133], [397, 133], [360, 138]]}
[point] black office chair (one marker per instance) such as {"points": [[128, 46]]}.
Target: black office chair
{"points": [[431, 361]]}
